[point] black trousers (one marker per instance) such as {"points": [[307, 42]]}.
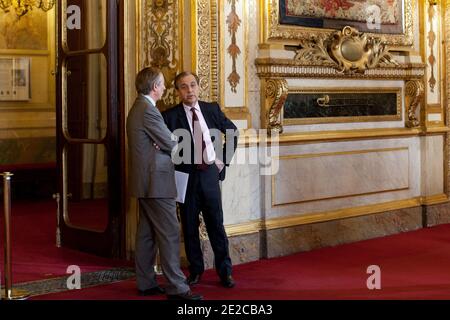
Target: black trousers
{"points": [[203, 195]]}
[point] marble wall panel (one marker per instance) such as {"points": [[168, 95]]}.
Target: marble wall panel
{"points": [[241, 196], [243, 249], [412, 165], [432, 165], [438, 214], [287, 241], [319, 176]]}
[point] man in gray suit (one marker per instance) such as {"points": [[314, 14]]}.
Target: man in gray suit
{"points": [[152, 181]]}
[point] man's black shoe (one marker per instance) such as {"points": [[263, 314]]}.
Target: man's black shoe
{"points": [[193, 279], [152, 291], [184, 296], [227, 282]]}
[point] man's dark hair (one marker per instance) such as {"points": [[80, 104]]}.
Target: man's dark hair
{"points": [[182, 75], [146, 80]]}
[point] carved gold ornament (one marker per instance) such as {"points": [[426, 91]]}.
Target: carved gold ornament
{"points": [[276, 95], [414, 92], [348, 51], [431, 40], [233, 22]]}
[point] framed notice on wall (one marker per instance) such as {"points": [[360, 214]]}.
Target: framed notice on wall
{"points": [[15, 79]]}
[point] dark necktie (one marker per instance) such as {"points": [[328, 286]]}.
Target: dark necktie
{"points": [[198, 135]]}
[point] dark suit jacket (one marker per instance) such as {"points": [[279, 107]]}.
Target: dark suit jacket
{"points": [[151, 171], [175, 118]]}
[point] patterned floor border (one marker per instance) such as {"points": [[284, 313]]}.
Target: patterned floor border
{"points": [[88, 279]]}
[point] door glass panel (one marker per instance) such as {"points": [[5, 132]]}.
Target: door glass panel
{"points": [[86, 115], [86, 186], [91, 33]]}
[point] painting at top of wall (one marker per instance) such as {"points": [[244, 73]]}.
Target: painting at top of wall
{"points": [[378, 16], [27, 33]]}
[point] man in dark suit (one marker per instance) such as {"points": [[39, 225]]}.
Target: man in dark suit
{"points": [[152, 181], [206, 167]]}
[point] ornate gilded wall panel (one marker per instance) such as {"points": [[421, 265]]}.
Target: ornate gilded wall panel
{"points": [[431, 44], [206, 52], [447, 85], [160, 45], [432, 39], [234, 63]]}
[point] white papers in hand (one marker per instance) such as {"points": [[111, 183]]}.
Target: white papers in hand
{"points": [[181, 180]]}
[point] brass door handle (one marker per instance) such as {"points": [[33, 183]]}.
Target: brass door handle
{"points": [[324, 101]]}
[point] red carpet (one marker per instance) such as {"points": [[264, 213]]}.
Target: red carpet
{"points": [[34, 253], [414, 265]]}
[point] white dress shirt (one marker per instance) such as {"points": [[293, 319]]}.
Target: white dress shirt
{"points": [[211, 154], [150, 99]]}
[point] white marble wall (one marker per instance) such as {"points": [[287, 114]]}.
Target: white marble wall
{"points": [[432, 165], [413, 168], [253, 80], [241, 190], [320, 176], [414, 175], [381, 175]]}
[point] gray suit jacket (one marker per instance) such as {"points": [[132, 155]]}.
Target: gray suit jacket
{"points": [[151, 173]]}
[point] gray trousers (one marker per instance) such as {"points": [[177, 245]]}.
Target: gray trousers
{"points": [[159, 228]]}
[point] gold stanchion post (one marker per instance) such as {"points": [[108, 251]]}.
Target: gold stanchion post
{"points": [[10, 293]]}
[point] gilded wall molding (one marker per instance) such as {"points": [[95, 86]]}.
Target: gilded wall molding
{"points": [[234, 23], [347, 50], [206, 62], [289, 68], [274, 31], [234, 40], [276, 92], [310, 218], [446, 100], [431, 40], [414, 95], [161, 34], [250, 140]]}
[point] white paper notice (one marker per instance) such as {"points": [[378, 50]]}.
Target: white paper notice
{"points": [[181, 180]]}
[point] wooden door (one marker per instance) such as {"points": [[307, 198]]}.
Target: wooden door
{"points": [[89, 117]]}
